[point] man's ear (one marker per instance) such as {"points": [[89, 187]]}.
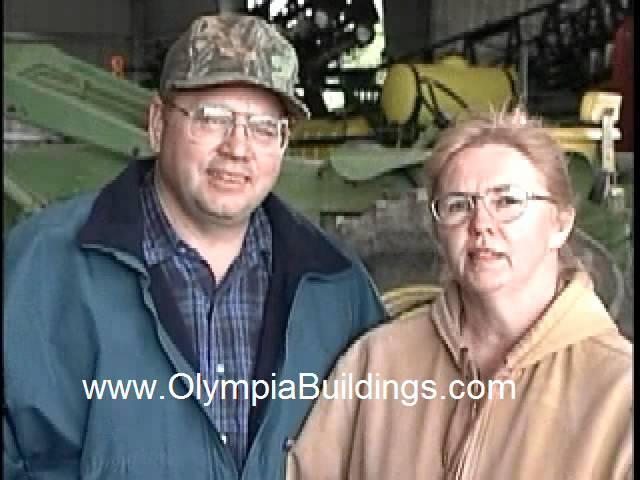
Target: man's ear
{"points": [[287, 135], [155, 123], [565, 219]]}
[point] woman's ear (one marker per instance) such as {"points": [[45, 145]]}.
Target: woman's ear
{"points": [[565, 219], [155, 124], [436, 234]]}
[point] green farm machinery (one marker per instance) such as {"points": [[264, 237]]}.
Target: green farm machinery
{"points": [[337, 171]]}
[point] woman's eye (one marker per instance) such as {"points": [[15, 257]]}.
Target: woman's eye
{"points": [[505, 201], [457, 206]]}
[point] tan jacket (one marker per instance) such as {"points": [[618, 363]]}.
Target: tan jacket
{"points": [[571, 417]]}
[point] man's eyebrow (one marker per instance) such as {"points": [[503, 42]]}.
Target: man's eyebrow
{"points": [[501, 188], [205, 107], [219, 108]]}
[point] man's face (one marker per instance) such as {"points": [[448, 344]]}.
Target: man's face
{"points": [[209, 179]]}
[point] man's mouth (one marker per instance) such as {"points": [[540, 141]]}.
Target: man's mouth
{"points": [[228, 177]]}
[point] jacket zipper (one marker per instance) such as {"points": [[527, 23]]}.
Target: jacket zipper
{"points": [[468, 464], [217, 441], [144, 285], [260, 433], [289, 441]]}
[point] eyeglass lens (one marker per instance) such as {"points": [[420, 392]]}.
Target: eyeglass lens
{"points": [[212, 123], [504, 204]]}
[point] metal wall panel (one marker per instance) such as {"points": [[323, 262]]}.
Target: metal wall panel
{"points": [[165, 19], [406, 26], [68, 16], [89, 29], [94, 30], [452, 17], [96, 50]]}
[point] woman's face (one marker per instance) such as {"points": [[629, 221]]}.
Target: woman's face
{"points": [[488, 255]]}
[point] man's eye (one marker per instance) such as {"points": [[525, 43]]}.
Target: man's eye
{"points": [[265, 127], [214, 120]]}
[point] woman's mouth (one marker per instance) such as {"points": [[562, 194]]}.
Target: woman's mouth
{"points": [[484, 255]]}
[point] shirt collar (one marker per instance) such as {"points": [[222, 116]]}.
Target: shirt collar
{"points": [[257, 245], [161, 241]]}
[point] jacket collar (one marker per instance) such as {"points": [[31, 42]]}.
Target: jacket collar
{"points": [[116, 223], [575, 315]]}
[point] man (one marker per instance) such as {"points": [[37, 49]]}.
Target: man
{"points": [[184, 273]]}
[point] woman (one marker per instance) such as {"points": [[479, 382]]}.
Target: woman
{"points": [[516, 370]]}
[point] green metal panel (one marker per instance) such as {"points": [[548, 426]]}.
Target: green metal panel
{"points": [[581, 173], [38, 176], [47, 88], [316, 188], [105, 115], [367, 161], [611, 228], [11, 213], [35, 177], [60, 171]]}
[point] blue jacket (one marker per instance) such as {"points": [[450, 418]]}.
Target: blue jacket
{"points": [[80, 304]]}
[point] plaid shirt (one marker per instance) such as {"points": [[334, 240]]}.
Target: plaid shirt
{"points": [[225, 318]]}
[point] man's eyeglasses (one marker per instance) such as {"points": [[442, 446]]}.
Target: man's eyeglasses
{"points": [[213, 123], [505, 203]]}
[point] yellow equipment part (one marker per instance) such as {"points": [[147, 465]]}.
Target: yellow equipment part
{"points": [[403, 299], [583, 140], [480, 88], [327, 128], [323, 129], [598, 112], [596, 104]]}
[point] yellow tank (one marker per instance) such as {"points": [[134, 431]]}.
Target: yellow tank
{"points": [[450, 78]]}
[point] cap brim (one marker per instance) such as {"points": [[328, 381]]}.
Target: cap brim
{"points": [[295, 107]]}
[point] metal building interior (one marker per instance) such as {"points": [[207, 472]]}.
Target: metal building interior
{"points": [[381, 79]]}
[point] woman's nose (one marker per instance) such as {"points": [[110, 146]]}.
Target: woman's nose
{"points": [[481, 218]]}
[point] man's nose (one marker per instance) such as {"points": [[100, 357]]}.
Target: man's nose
{"points": [[237, 139]]}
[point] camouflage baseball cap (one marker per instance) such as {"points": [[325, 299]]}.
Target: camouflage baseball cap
{"points": [[230, 48]]}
